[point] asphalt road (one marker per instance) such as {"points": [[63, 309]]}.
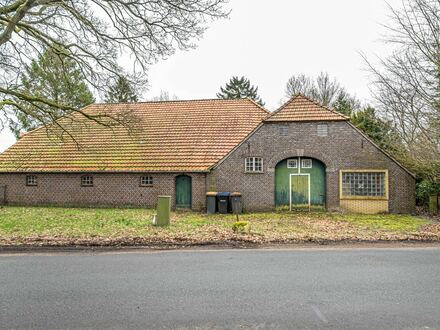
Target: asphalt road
{"points": [[242, 289]]}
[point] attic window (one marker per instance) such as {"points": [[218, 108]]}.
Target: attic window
{"points": [[146, 181], [31, 180], [87, 181], [322, 130], [254, 164], [284, 130]]}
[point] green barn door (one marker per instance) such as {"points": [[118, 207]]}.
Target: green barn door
{"points": [[299, 191], [293, 182], [183, 191]]}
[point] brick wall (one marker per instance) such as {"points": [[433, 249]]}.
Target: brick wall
{"points": [[343, 148], [109, 189]]}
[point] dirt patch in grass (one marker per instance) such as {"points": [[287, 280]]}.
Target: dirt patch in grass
{"points": [[52, 226]]}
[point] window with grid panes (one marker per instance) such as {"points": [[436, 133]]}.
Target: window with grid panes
{"points": [[87, 181], [31, 180], [254, 164], [146, 180], [368, 184]]}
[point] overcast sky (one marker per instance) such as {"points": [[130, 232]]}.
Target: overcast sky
{"points": [[268, 41]]}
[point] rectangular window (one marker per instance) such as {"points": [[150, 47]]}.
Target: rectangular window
{"points": [[322, 130], [284, 130], [31, 180], [146, 180], [254, 164], [364, 184], [87, 181], [292, 163], [306, 163]]}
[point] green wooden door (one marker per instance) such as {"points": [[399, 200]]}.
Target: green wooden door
{"points": [[283, 184], [183, 191], [299, 191]]}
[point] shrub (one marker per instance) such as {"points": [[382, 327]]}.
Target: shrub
{"points": [[241, 227], [424, 189]]}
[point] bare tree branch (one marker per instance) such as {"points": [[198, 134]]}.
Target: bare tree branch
{"points": [[98, 35]]}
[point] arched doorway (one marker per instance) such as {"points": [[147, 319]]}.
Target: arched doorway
{"points": [[300, 184], [183, 191]]}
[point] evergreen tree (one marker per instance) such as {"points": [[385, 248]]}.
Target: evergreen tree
{"points": [[377, 129], [121, 92], [54, 76], [238, 88], [346, 104]]}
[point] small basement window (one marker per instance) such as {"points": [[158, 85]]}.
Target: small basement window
{"points": [[146, 180], [254, 164], [364, 184], [306, 163], [322, 130], [87, 181], [31, 180], [292, 163]]}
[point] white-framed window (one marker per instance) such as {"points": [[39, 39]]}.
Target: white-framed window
{"points": [[292, 163], [306, 163], [254, 164], [146, 180], [364, 184], [87, 181], [31, 180], [322, 130], [284, 130]]}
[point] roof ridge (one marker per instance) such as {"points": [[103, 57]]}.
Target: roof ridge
{"points": [[170, 101]]}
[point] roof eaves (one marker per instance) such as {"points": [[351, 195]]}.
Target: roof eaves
{"points": [[103, 171], [302, 120]]}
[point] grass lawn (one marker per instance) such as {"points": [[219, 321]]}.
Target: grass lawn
{"points": [[101, 226]]}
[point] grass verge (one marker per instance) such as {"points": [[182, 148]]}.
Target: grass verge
{"points": [[47, 226]]}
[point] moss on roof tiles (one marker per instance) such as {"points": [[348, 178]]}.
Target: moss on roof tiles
{"points": [[167, 136]]}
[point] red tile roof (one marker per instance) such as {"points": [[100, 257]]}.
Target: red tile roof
{"points": [[169, 136], [301, 108]]}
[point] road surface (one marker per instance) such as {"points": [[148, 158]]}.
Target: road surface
{"points": [[228, 289]]}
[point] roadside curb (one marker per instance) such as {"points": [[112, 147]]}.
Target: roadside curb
{"points": [[18, 249]]}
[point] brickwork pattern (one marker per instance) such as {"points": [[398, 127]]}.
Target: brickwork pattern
{"points": [[109, 189], [366, 206], [343, 148]]}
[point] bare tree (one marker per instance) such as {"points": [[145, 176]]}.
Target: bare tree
{"points": [[323, 89], [164, 96], [97, 35], [406, 84]]}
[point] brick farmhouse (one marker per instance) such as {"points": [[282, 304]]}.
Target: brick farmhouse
{"points": [[303, 155]]}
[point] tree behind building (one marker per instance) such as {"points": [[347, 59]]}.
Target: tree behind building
{"points": [[238, 88], [53, 76], [121, 91]]}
